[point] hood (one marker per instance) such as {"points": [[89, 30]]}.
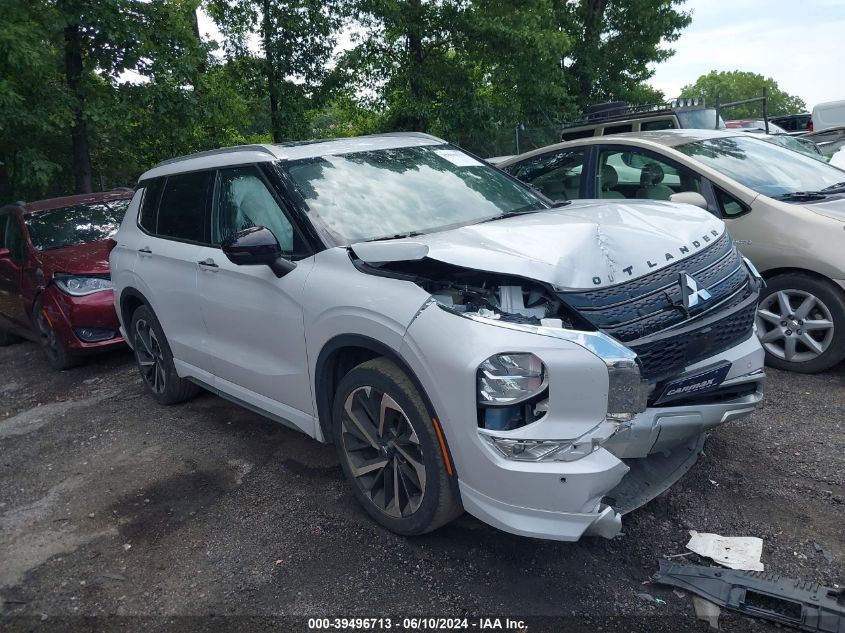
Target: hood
{"points": [[587, 244], [832, 207], [80, 259]]}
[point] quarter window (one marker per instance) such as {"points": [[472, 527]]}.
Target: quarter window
{"points": [[244, 201], [149, 208], [181, 213], [730, 206]]}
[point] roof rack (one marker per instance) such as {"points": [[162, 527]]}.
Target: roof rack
{"points": [[619, 110], [214, 152]]}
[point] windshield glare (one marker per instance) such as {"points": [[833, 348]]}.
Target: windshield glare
{"points": [[383, 193], [766, 168], [78, 224]]}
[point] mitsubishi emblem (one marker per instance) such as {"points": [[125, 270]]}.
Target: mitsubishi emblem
{"points": [[692, 294]]}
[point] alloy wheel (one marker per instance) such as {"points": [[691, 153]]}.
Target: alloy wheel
{"points": [[383, 451], [794, 325], [149, 356]]}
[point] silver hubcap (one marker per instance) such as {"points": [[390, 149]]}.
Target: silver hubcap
{"points": [[794, 325], [383, 452], [149, 356]]}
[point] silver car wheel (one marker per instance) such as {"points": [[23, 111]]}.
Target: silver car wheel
{"points": [[794, 325], [149, 356], [383, 451]]}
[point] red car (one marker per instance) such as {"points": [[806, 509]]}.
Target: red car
{"points": [[55, 286]]}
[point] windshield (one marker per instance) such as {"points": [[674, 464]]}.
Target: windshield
{"points": [[390, 192], [78, 224], [764, 167], [699, 119]]}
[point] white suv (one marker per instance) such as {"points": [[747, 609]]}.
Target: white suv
{"points": [[464, 342]]}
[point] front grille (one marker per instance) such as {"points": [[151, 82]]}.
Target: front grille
{"points": [[647, 314]]}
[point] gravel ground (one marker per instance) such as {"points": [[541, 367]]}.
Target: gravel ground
{"points": [[111, 505]]}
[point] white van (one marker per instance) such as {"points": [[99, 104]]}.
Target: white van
{"points": [[828, 115]]}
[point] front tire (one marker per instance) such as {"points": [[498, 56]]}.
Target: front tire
{"points": [[801, 323], [389, 451], [155, 360], [57, 354]]}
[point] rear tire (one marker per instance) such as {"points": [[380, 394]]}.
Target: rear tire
{"points": [[155, 360], [801, 323], [59, 357], [389, 450]]}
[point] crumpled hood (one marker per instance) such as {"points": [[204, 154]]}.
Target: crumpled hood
{"points": [[587, 244], [90, 258]]}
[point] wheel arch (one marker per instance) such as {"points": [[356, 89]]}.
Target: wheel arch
{"points": [[793, 270], [341, 354], [130, 300]]}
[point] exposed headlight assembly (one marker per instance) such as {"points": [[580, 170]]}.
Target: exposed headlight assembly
{"points": [[506, 379], [81, 285]]}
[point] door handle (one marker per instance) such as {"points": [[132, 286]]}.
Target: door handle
{"points": [[208, 264], [146, 250]]}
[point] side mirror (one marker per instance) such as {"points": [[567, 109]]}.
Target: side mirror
{"points": [[690, 197], [5, 253], [257, 246]]}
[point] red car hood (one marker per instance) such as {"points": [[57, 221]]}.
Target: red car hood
{"points": [[89, 258]]}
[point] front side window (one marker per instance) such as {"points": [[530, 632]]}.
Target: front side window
{"points": [[77, 224], [243, 201], [766, 168], [557, 175], [408, 190], [181, 212], [14, 240], [628, 173]]}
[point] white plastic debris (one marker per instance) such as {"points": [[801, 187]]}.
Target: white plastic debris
{"points": [[735, 552], [707, 611]]}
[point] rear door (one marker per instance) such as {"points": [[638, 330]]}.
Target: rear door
{"points": [[173, 223], [255, 319]]}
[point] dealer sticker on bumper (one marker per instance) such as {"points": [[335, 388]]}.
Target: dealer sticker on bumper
{"points": [[695, 384]]}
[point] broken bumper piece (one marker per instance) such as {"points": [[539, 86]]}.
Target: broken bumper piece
{"points": [[804, 605]]}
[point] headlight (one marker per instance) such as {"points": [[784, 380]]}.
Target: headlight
{"points": [[79, 285], [528, 450], [506, 379]]}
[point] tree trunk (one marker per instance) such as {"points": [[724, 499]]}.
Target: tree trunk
{"points": [[415, 67], [584, 69], [82, 172], [272, 80]]}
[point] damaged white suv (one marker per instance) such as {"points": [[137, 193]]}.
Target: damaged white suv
{"points": [[464, 343]]}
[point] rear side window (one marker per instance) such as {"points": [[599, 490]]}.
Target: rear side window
{"points": [[659, 124], [182, 210], [149, 207], [618, 129], [571, 136]]}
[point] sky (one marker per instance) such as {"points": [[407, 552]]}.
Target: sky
{"points": [[798, 43]]}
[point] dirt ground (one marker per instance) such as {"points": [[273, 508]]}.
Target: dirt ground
{"points": [[112, 508]]}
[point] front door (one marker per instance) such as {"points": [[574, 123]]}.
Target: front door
{"points": [[254, 319], [12, 238]]}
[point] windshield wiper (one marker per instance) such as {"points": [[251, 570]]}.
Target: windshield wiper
{"points": [[836, 187], [793, 196], [521, 211], [397, 236]]}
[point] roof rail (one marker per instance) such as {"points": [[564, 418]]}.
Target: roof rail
{"points": [[214, 152], [619, 110]]}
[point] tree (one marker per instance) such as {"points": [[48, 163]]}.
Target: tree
{"points": [[616, 44], [297, 39], [737, 85]]}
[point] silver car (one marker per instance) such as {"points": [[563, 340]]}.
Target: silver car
{"points": [[464, 343], [785, 211]]}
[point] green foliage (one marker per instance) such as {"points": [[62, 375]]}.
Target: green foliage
{"points": [[616, 45], [737, 85], [471, 71]]}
